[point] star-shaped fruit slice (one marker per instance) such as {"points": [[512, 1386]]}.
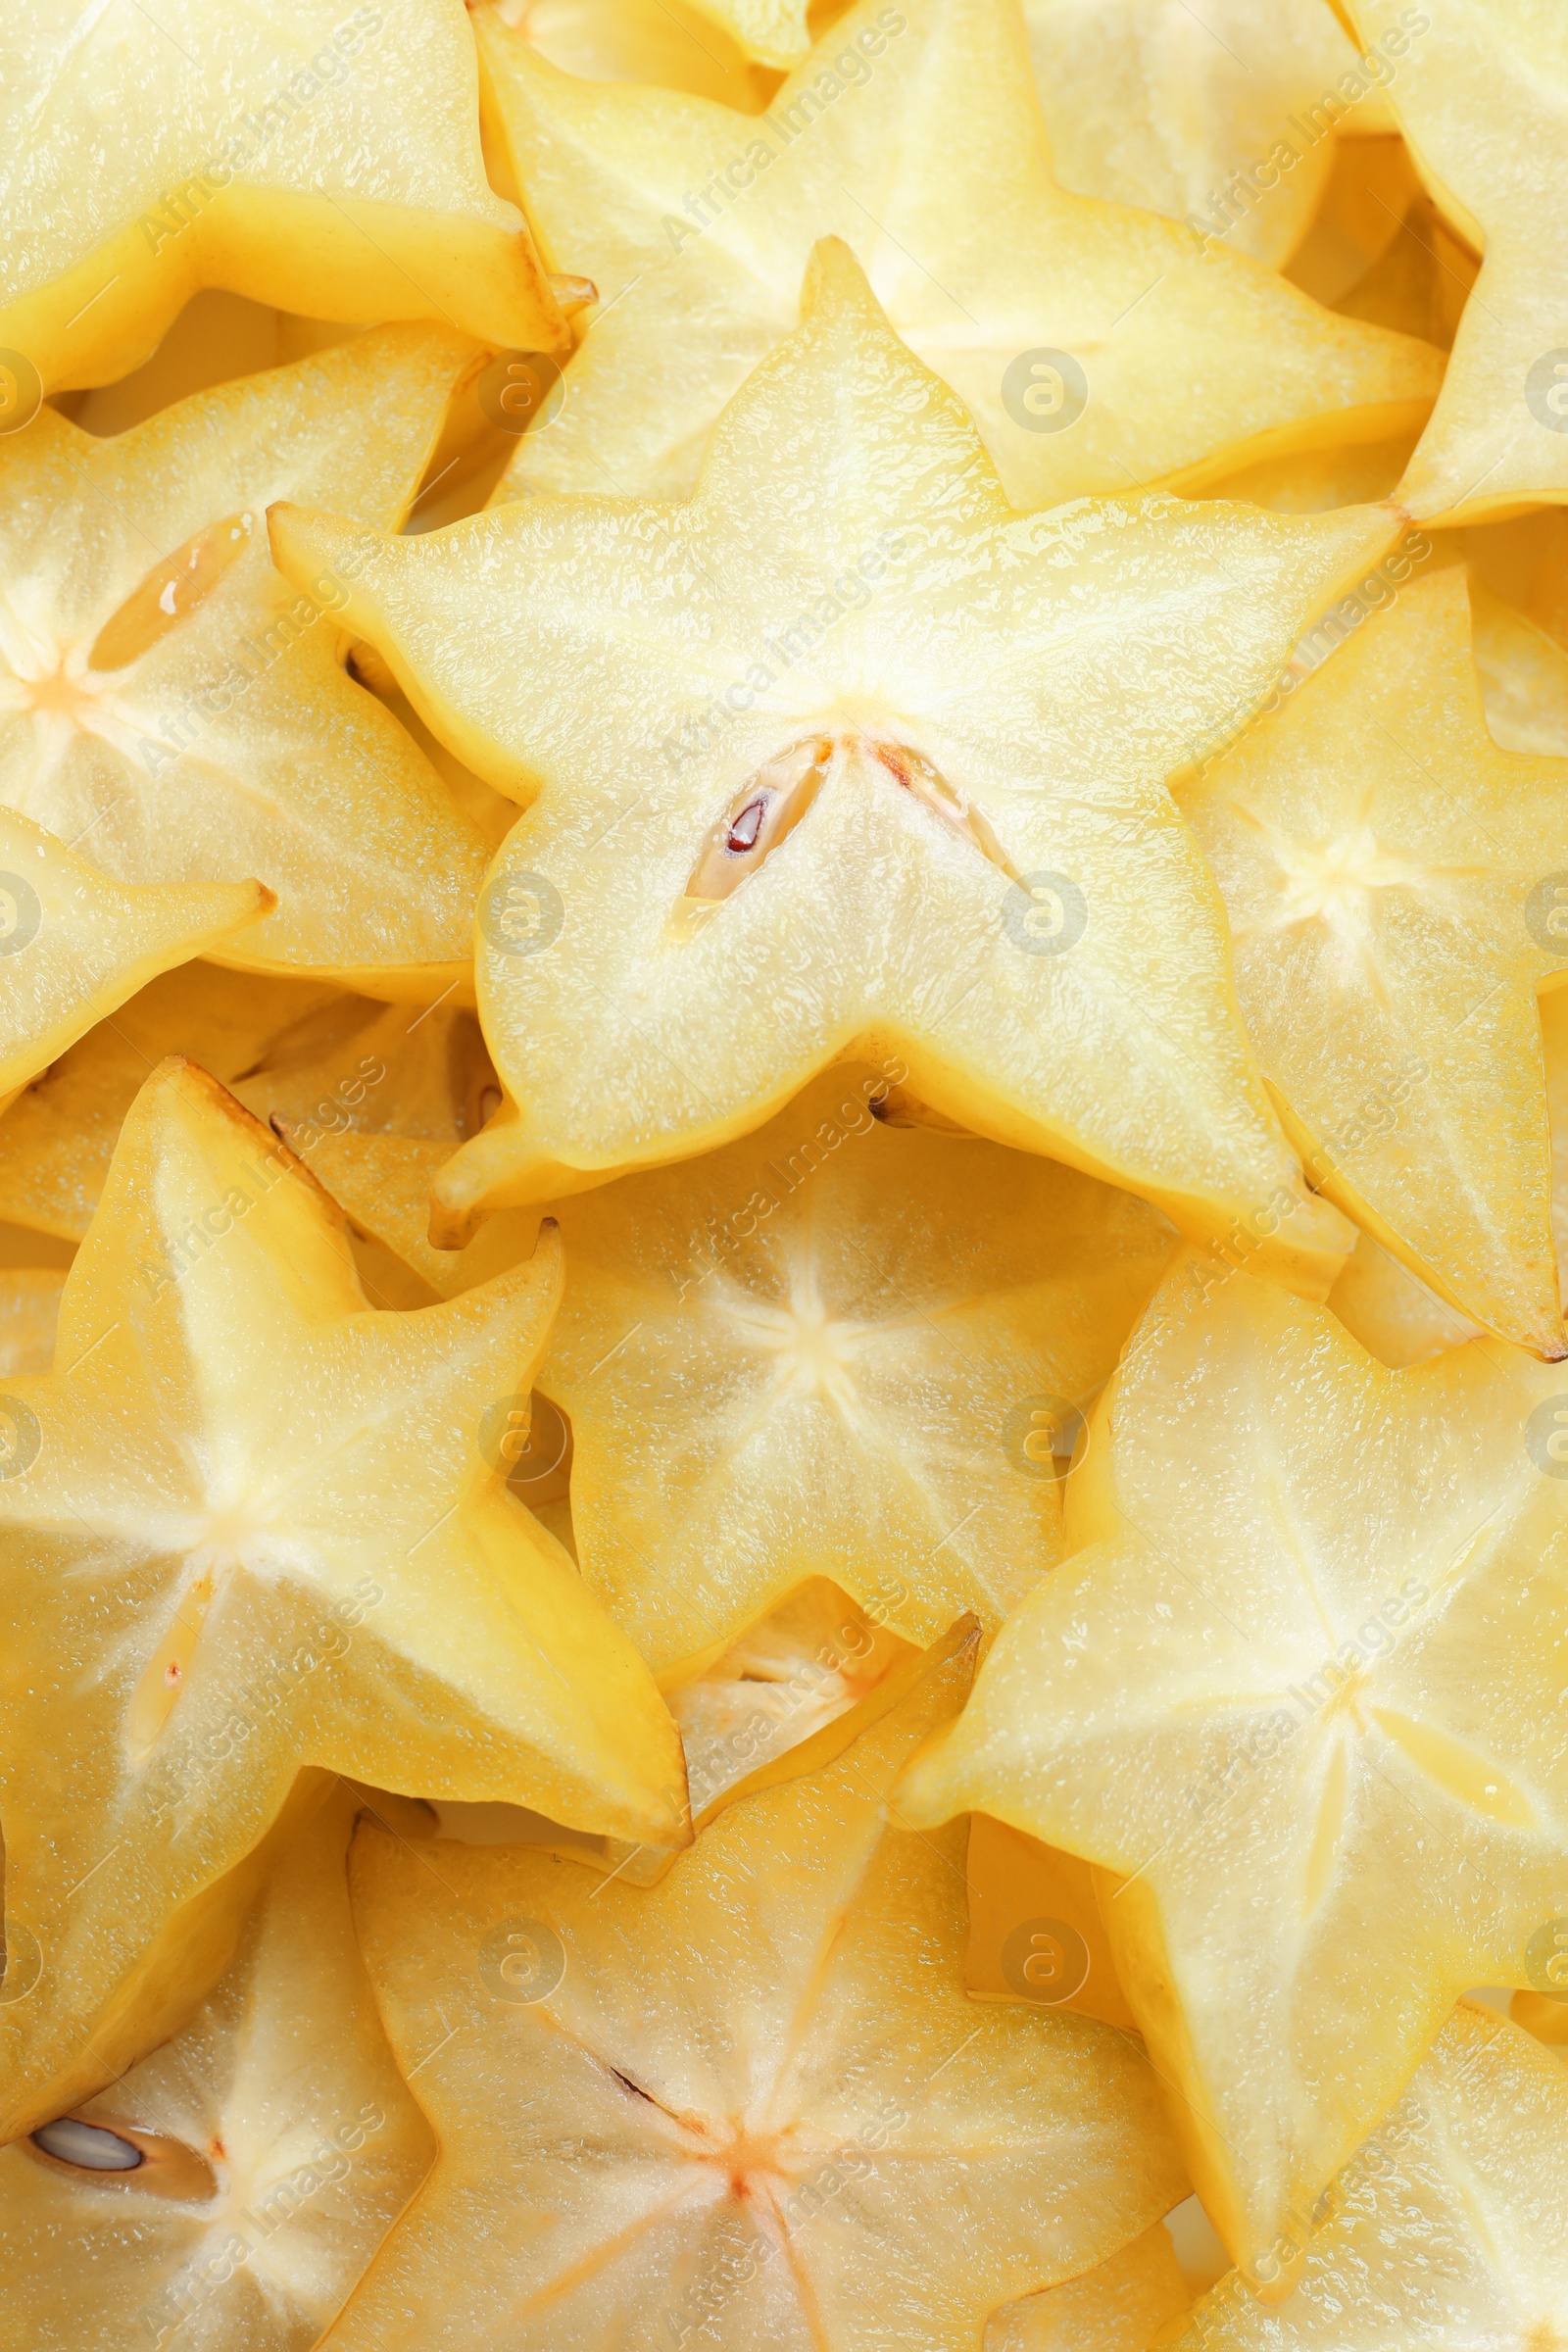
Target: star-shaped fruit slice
{"points": [[230, 2188], [1478, 89], [737, 2102], [1449, 2229], [1297, 1698], [171, 708], [836, 1347], [1119, 2306], [1098, 348], [1226, 120], [1398, 892], [319, 158], [74, 944], [57, 1139], [845, 756], [249, 1528]]}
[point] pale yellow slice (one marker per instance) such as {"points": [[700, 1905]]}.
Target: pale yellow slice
{"points": [[249, 1530], [257, 2159], [1098, 348], [1397, 894], [752, 2101], [1119, 2306], [325, 159], [172, 711], [987, 877], [1482, 96], [1447, 2231], [1297, 1701]]}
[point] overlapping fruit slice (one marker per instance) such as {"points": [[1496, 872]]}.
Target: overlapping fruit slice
{"points": [[1391, 1311], [228, 2190], [674, 43], [247, 1527], [30, 1314], [1225, 120], [1449, 2229], [174, 711], [57, 1139], [326, 160], [1098, 348], [1398, 891], [1298, 1697], [1119, 2306], [74, 944], [842, 755], [752, 2103], [1478, 89]]}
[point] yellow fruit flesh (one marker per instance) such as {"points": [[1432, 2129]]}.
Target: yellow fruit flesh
{"points": [[277, 2141], [877, 923], [914, 134], [1312, 1745], [215, 1583], [747, 2092]]}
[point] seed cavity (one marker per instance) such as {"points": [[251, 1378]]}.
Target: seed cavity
{"points": [[172, 591], [87, 2145], [166, 1673], [773, 802]]}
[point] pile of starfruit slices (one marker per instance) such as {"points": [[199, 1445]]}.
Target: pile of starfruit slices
{"points": [[784, 1176]]}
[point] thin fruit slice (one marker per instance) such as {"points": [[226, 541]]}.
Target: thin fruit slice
{"points": [[1119, 2306], [1099, 349], [353, 1068], [752, 2103], [230, 2189], [1398, 893], [1299, 1700], [248, 1527], [924, 811], [74, 944], [1391, 1310], [57, 1139], [323, 159], [1448, 2230], [835, 1349], [1524, 677], [174, 711], [672, 43], [1482, 86], [1420, 282], [30, 1314], [1225, 120]]}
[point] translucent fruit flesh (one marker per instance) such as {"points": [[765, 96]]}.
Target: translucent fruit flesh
{"points": [[878, 922]]}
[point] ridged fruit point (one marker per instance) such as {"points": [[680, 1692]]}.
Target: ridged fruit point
{"points": [[326, 161], [216, 1583]]}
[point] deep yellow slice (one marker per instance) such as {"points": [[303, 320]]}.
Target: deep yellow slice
{"points": [[74, 944], [1449, 2229], [29, 1312], [752, 2101], [1100, 349], [920, 812], [174, 711], [1119, 2306], [230, 2188], [325, 159], [1227, 120], [57, 1138], [1398, 893], [249, 1528], [1481, 87], [1297, 1701]]}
